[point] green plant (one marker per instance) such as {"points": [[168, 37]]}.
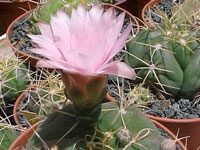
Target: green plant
{"points": [[45, 97], [14, 78], [7, 134], [166, 55], [44, 10], [103, 129]]}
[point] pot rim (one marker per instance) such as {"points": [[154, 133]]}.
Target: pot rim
{"points": [[147, 6], [120, 2], [171, 120]]}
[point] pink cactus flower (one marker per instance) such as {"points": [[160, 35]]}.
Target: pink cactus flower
{"points": [[85, 43]]}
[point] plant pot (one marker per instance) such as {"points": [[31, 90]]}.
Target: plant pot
{"points": [[147, 7], [10, 11], [187, 127], [133, 6], [32, 60], [29, 58], [108, 98], [23, 138]]}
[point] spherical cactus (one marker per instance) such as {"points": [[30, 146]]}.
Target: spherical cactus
{"points": [[167, 57], [14, 78]]}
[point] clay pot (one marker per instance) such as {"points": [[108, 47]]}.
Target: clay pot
{"points": [[133, 6], [187, 127], [32, 60], [29, 58], [146, 8], [10, 11], [23, 138]]}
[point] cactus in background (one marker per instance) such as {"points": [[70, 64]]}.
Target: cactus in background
{"points": [[47, 96], [167, 56], [113, 127], [43, 11], [14, 77]]}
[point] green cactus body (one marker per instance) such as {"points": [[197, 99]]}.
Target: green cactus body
{"points": [[43, 12], [7, 136], [169, 60], [13, 78], [109, 127]]}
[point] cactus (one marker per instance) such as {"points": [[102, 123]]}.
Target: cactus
{"points": [[167, 56], [140, 96], [45, 97], [7, 135], [14, 78], [44, 11], [110, 123]]}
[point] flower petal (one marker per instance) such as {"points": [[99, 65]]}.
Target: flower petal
{"points": [[45, 30], [119, 44], [119, 69]]}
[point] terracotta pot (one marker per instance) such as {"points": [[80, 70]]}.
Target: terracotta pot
{"points": [[20, 98], [187, 127], [133, 6], [31, 59], [23, 138], [10, 11]]}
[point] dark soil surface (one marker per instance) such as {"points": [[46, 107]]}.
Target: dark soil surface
{"points": [[181, 109], [164, 6], [19, 36]]}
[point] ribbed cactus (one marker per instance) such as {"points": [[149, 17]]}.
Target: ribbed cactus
{"points": [[112, 128], [44, 11], [14, 77], [47, 96], [167, 56]]}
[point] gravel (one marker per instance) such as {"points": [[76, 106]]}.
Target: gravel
{"points": [[164, 6], [19, 37], [181, 109]]}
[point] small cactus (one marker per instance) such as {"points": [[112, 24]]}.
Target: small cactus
{"points": [[45, 97], [140, 95], [45, 10], [14, 77]]}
